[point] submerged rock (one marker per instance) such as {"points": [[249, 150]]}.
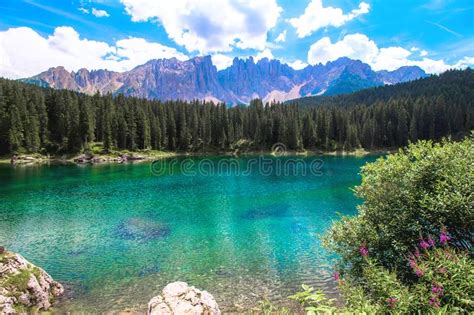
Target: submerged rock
{"points": [[139, 229], [179, 298], [25, 288], [147, 270], [265, 212]]}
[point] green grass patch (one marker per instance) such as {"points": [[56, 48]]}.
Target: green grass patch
{"points": [[18, 281], [21, 309], [36, 271]]}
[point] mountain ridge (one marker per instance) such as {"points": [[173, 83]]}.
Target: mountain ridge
{"points": [[244, 80]]}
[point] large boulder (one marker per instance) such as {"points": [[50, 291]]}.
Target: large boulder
{"points": [[25, 288], [179, 298]]}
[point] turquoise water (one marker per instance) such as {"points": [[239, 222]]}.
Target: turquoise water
{"points": [[116, 234]]}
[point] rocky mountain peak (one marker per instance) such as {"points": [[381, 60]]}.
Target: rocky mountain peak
{"points": [[245, 79]]}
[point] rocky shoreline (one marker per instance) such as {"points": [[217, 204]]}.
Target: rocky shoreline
{"points": [[180, 298], [141, 156], [28, 289], [25, 288], [86, 158]]}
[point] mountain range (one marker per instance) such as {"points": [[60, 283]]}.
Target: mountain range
{"points": [[244, 80]]}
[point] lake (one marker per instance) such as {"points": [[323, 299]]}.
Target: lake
{"points": [[115, 234]]}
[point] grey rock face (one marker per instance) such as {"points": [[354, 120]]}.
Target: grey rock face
{"points": [[25, 285], [244, 80], [179, 298]]}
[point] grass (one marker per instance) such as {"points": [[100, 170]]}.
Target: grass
{"points": [[19, 280], [36, 272], [20, 309], [17, 284]]}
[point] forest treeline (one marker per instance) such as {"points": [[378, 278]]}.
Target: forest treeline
{"points": [[35, 119]]}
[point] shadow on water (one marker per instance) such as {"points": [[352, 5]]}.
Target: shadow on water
{"points": [[148, 270], [138, 229], [268, 211]]}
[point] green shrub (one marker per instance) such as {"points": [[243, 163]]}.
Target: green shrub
{"points": [[444, 285], [314, 302], [266, 307], [411, 193], [408, 251]]}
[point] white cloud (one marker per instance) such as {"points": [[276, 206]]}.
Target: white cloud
{"points": [[210, 25], [136, 51], [84, 10], [316, 16], [100, 13], [465, 62], [438, 66], [266, 53], [221, 61], [390, 58], [359, 46], [355, 46], [281, 38], [23, 52], [298, 64], [422, 52]]}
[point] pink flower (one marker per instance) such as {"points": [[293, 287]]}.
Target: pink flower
{"points": [[363, 250], [337, 276], [419, 273], [442, 270], [434, 302], [413, 264], [417, 253], [444, 237], [437, 290], [424, 244], [391, 301], [431, 242]]}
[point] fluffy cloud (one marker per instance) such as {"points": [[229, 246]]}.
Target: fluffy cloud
{"points": [[281, 38], [266, 53], [355, 46], [316, 16], [298, 64], [100, 13], [134, 51], [210, 25], [221, 61], [359, 46], [23, 52]]}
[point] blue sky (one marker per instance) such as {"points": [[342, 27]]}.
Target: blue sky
{"points": [[120, 34]]}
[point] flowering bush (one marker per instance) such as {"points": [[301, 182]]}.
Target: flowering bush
{"points": [[390, 260], [443, 285], [411, 193]]}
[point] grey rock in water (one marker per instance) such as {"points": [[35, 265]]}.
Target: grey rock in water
{"points": [[179, 298], [25, 288]]}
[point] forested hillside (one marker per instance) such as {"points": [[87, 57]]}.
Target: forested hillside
{"points": [[448, 84], [34, 119]]}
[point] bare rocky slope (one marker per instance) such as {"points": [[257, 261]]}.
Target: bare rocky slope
{"points": [[244, 80], [25, 288]]}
